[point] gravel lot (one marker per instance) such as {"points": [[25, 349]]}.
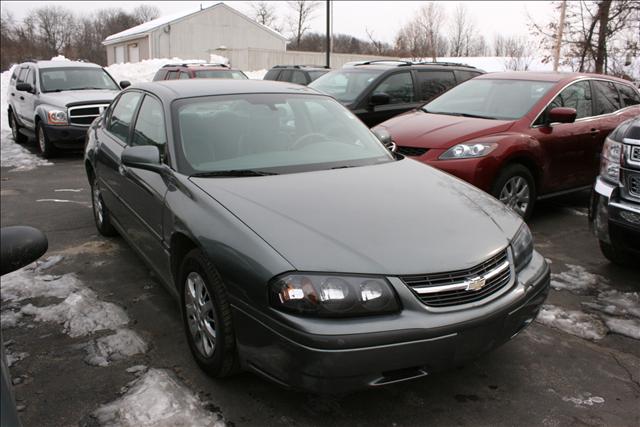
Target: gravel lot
{"points": [[545, 376]]}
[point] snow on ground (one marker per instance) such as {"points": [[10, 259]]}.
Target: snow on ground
{"points": [[627, 302], [144, 71], [9, 319], [118, 346], [573, 322], [24, 284], [157, 398], [628, 327], [578, 280], [584, 400], [13, 358], [256, 75]]}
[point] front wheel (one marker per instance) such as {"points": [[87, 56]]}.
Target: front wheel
{"points": [[516, 188], [206, 315], [101, 214], [616, 255], [47, 150]]}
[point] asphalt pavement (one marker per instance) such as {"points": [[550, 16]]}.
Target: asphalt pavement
{"points": [[544, 376]]}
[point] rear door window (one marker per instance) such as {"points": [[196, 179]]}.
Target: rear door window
{"points": [[172, 75], [629, 95], [433, 83], [184, 75], [122, 114], [272, 75], [576, 96], [299, 78], [464, 75], [285, 76], [607, 97], [398, 86], [160, 75]]}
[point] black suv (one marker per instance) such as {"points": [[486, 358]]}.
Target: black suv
{"points": [[375, 91], [56, 101], [614, 213], [300, 74]]}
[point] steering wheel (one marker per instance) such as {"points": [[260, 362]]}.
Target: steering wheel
{"points": [[307, 139]]}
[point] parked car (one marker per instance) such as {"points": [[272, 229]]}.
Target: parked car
{"points": [[56, 101], [520, 136], [375, 91], [300, 74], [294, 245], [198, 71], [614, 213]]}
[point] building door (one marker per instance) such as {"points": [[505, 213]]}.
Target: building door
{"points": [[134, 53], [119, 54]]}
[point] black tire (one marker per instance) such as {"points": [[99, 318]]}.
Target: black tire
{"points": [[15, 129], [514, 177], [222, 361], [617, 255], [47, 150], [101, 215]]}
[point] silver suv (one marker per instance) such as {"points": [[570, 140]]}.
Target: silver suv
{"points": [[56, 101]]}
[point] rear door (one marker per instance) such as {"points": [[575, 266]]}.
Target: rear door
{"points": [[28, 99], [18, 95], [401, 90]]}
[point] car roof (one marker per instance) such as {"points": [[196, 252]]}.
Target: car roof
{"points": [[197, 66], [174, 89], [398, 66], [62, 64], [546, 76], [301, 67]]}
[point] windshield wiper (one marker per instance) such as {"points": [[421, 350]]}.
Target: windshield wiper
{"points": [[87, 88], [449, 113], [237, 172]]}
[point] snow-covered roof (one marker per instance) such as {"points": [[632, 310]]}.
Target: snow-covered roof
{"points": [[147, 27]]}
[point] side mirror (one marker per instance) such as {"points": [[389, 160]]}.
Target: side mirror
{"points": [[379, 98], [24, 87], [142, 157], [125, 84], [20, 246], [385, 137], [561, 115]]}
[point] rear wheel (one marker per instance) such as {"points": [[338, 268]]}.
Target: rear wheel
{"points": [[516, 188], [15, 129], [101, 214], [616, 255], [47, 150], [206, 315]]}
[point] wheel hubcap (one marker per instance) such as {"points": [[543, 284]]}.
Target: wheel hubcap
{"points": [[97, 206], [515, 194], [41, 141], [12, 124], [200, 314]]}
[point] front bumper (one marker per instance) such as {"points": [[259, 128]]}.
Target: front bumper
{"points": [[66, 136], [413, 343], [614, 220]]}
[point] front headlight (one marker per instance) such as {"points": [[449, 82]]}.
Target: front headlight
{"points": [[522, 246], [468, 151], [56, 117], [332, 295], [610, 161]]}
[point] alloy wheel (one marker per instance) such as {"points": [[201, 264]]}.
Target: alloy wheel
{"points": [[516, 194], [98, 208], [42, 143], [200, 314]]}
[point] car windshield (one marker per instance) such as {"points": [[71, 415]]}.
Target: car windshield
{"points": [[490, 98], [271, 133], [81, 78], [345, 85], [220, 74]]}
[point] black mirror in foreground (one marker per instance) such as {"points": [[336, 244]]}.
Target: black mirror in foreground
{"points": [[142, 157], [24, 87], [19, 246], [125, 84]]}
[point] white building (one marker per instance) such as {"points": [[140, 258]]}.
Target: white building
{"points": [[193, 34]]}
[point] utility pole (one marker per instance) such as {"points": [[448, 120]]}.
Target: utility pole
{"points": [[556, 55], [328, 34]]}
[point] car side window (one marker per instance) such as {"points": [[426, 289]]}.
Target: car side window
{"points": [[183, 75], [122, 114], [576, 96], [629, 95], [433, 83], [31, 77], [607, 97], [285, 76], [272, 75], [149, 128], [398, 86], [160, 75], [172, 75], [299, 78], [464, 75], [22, 76], [14, 75]]}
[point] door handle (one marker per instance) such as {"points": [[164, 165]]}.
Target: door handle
{"points": [[22, 98], [13, 94]]}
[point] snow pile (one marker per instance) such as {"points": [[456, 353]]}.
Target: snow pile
{"points": [[621, 326], [23, 284], [143, 71], [13, 155], [9, 319], [578, 280], [627, 303], [13, 358], [81, 313], [157, 398], [586, 400], [217, 59], [571, 321], [122, 344], [256, 75]]}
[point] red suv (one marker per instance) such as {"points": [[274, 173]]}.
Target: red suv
{"points": [[198, 71], [520, 136]]}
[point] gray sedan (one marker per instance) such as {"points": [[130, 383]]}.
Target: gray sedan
{"points": [[299, 247]]}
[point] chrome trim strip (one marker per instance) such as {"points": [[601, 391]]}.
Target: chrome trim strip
{"points": [[625, 207], [424, 290]]}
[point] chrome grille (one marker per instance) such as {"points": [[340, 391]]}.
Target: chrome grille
{"points": [[411, 151], [634, 185], [84, 115], [462, 286]]}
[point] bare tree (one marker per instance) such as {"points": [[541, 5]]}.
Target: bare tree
{"points": [[429, 19], [461, 33], [265, 13], [421, 36], [300, 20], [55, 26], [379, 47], [145, 13]]}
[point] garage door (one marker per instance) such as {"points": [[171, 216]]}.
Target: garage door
{"points": [[134, 53], [119, 54]]}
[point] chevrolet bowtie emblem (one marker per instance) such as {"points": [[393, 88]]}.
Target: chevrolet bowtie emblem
{"points": [[476, 284]]}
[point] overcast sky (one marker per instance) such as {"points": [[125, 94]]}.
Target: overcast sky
{"points": [[383, 18]]}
